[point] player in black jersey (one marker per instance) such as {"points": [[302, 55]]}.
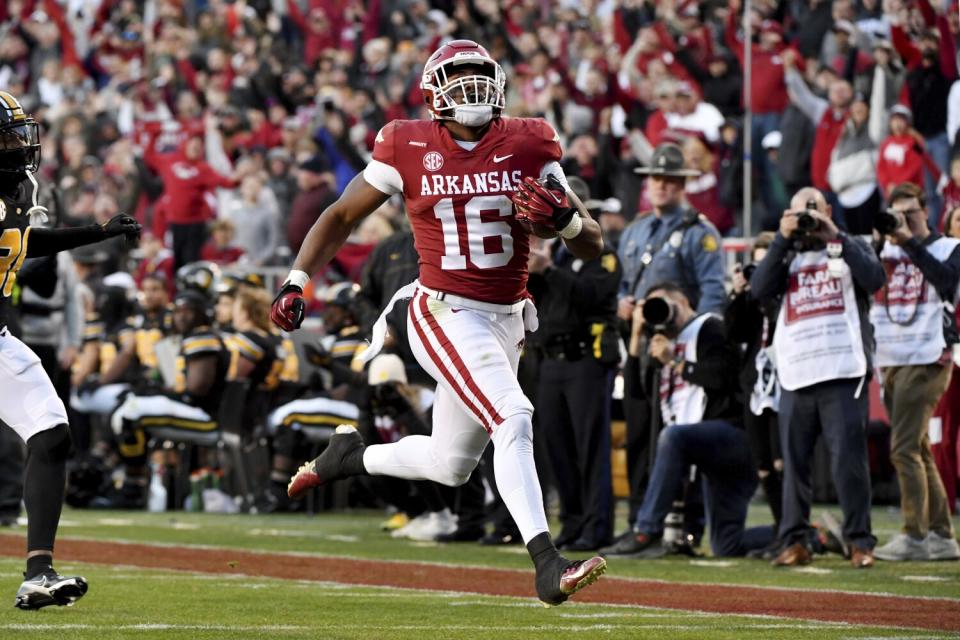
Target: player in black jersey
{"points": [[191, 405], [28, 401], [254, 349], [108, 361], [151, 324]]}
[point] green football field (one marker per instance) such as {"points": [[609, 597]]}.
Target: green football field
{"points": [[209, 599]]}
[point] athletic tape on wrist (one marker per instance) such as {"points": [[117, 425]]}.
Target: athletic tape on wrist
{"points": [[573, 228], [298, 278]]}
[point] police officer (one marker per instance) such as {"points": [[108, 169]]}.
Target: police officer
{"points": [[670, 243], [577, 304]]}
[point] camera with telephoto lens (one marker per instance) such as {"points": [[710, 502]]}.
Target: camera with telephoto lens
{"points": [[806, 222], [888, 221], [658, 316]]}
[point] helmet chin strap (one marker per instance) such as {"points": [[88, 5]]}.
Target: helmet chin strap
{"points": [[471, 115]]}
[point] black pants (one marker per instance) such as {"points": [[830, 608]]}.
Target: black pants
{"points": [[829, 408], [638, 416], [763, 434], [188, 240], [720, 452], [11, 471], [573, 402]]}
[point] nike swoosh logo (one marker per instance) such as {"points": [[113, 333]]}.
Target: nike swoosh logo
{"points": [[555, 198], [498, 159]]}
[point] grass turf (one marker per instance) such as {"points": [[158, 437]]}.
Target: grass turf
{"points": [[128, 602], [357, 534]]}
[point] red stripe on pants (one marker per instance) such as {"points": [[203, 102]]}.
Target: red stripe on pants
{"points": [[451, 352], [442, 366]]}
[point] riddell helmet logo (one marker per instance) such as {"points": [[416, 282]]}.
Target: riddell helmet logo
{"points": [[432, 161]]}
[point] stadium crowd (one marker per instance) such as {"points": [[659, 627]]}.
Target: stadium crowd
{"points": [[226, 128]]}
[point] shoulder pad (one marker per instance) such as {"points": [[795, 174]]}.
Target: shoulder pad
{"points": [[246, 345], [200, 343]]}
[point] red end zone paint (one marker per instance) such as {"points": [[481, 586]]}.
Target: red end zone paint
{"points": [[855, 608]]}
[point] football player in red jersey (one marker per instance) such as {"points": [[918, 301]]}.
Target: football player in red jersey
{"points": [[475, 186]]}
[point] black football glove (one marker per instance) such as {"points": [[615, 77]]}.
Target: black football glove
{"points": [[123, 225], [288, 307]]}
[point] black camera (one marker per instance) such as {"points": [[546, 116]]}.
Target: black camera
{"points": [[748, 270], [886, 222], [658, 316], [806, 222]]}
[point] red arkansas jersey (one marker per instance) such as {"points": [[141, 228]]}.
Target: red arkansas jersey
{"points": [[458, 200]]}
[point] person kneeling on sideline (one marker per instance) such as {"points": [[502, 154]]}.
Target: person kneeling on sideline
{"points": [[703, 422]]}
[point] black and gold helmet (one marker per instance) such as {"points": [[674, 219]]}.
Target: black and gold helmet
{"points": [[19, 137], [202, 277]]}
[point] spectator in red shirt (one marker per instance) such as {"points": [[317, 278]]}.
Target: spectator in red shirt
{"points": [[703, 191], [948, 411], [665, 97], [768, 89], [316, 193], [951, 192], [902, 154], [156, 259], [187, 179], [220, 247], [827, 114]]}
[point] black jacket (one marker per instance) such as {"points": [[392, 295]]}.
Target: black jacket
{"points": [[577, 303], [717, 371]]}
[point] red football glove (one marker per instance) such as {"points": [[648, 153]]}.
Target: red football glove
{"points": [[543, 202], [288, 307]]}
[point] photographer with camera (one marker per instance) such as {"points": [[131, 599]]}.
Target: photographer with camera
{"points": [[822, 345], [703, 419], [913, 315]]}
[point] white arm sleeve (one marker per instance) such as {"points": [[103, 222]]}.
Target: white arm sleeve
{"points": [[383, 177], [553, 168]]}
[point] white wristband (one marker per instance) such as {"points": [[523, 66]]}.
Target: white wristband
{"points": [[573, 228], [298, 278]]}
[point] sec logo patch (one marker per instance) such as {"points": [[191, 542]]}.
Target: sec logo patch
{"points": [[433, 161]]}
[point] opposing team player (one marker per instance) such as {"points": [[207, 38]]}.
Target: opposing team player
{"points": [[28, 401], [475, 185]]}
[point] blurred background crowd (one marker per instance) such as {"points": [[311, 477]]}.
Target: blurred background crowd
{"points": [[226, 127]]}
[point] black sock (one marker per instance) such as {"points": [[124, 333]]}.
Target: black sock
{"points": [[353, 463], [542, 551], [38, 564], [44, 482]]}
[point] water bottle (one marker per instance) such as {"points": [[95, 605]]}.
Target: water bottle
{"points": [[157, 500]]}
